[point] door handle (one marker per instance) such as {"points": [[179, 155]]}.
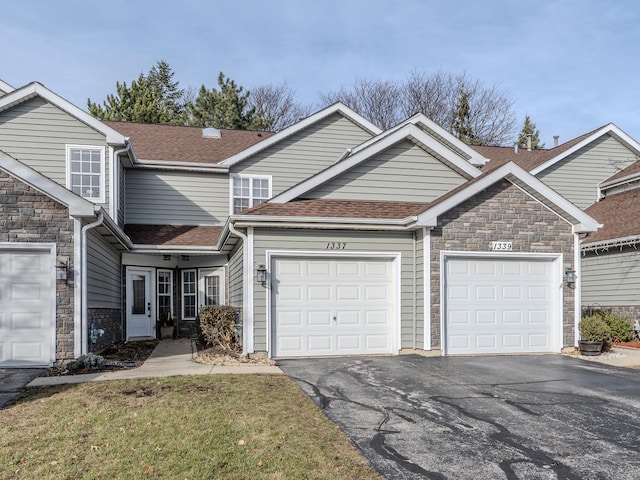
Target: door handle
{"points": [[149, 309]]}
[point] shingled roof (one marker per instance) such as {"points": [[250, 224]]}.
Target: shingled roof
{"points": [[329, 208], [619, 215], [175, 143], [174, 235], [630, 171]]}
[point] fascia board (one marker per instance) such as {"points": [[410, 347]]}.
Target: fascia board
{"points": [[24, 93], [429, 218], [258, 220], [297, 127], [114, 228], [606, 185], [610, 128], [5, 87], [189, 166], [77, 205], [407, 131], [144, 248]]}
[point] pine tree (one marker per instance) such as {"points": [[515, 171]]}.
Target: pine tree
{"points": [[461, 121], [227, 107], [529, 128]]}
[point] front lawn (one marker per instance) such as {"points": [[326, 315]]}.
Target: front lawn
{"points": [[204, 427]]}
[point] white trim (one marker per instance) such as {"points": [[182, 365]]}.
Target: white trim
{"points": [[77, 287], [585, 223], [77, 205], [219, 272], [103, 174], [33, 89], [50, 249], [577, 298], [395, 257], [426, 267], [172, 289], [301, 125], [410, 131], [5, 87], [234, 176], [182, 294], [248, 315], [607, 129], [113, 184], [558, 300]]}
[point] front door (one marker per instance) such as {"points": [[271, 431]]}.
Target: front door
{"points": [[140, 309]]}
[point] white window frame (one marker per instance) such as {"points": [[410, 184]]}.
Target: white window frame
{"points": [[170, 294], [211, 272], [235, 176], [103, 173], [194, 294]]}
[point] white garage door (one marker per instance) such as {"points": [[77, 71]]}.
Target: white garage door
{"points": [[332, 306], [25, 308], [499, 306]]}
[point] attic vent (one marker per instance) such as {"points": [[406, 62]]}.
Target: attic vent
{"points": [[211, 133]]}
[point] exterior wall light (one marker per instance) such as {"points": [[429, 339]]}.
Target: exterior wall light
{"points": [[570, 276], [261, 274], [62, 271]]}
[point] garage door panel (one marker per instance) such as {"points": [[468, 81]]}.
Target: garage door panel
{"points": [[319, 269], [518, 319], [350, 312], [28, 264]]}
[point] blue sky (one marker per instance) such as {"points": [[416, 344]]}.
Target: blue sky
{"points": [[572, 65]]}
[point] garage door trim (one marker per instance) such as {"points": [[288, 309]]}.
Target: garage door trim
{"points": [[50, 249], [395, 257], [557, 290]]}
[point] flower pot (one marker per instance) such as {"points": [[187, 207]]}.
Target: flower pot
{"points": [[166, 332], [590, 348]]}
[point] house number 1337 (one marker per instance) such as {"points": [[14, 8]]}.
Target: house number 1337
{"points": [[336, 246]]}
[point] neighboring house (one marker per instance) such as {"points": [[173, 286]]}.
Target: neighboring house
{"points": [[611, 259], [329, 237]]}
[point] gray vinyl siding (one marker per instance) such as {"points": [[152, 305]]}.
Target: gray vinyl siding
{"points": [[121, 195], [236, 278], [104, 282], [577, 176], [305, 153], [182, 198], [404, 172], [611, 278], [316, 241], [36, 133]]}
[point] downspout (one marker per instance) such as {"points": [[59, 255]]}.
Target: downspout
{"points": [[115, 202], [83, 290], [245, 287], [415, 308]]}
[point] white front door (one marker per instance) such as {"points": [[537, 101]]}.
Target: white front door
{"points": [[211, 287], [140, 308]]}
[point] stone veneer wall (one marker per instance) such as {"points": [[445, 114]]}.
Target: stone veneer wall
{"points": [[108, 319], [505, 213], [27, 215]]}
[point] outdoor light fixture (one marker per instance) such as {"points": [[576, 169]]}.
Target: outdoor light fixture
{"points": [[261, 274], [61, 271], [570, 275], [185, 258], [166, 257]]}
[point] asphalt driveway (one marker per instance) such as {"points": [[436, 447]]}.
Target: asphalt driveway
{"points": [[13, 381], [521, 417]]}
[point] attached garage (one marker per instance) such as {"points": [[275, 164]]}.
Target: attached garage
{"points": [[324, 306], [27, 304], [504, 305]]}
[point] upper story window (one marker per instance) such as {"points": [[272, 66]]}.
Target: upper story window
{"points": [[86, 172], [248, 191]]}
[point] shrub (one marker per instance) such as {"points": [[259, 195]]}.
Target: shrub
{"points": [[621, 328], [90, 362], [593, 329], [217, 328]]}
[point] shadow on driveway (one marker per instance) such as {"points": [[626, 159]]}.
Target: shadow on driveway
{"points": [[14, 380], [512, 417]]}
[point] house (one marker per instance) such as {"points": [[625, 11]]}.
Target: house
{"points": [[329, 237]]}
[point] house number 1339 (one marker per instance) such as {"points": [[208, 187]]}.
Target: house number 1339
{"points": [[336, 246]]}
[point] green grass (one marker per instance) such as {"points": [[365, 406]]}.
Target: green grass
{"points": [[232, 427]]}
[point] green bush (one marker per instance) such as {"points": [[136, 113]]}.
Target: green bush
{"points": [[593, 329], [217, 328], [621, 328], [88, 362]]}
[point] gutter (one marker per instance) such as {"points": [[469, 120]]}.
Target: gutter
{"points": [[606, 244], [181, 166]]}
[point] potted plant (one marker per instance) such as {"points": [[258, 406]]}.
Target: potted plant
{"points": [[593, 333], [166, 326]]}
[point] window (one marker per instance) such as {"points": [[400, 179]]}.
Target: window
{"points": [[165, 294], [86, 172], [247, 192], [212, 286], [189, 294]]}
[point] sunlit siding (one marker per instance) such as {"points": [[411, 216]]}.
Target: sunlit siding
{"points": [[181, 198], [577, 176], [611, 278], [403, 172], [305, 153], [36, 133], [316, 241]]}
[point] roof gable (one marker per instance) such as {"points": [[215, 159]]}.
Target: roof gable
{"points": [[5, 87], [301, 125], [34, 89], [518, 176], [373, 147]]}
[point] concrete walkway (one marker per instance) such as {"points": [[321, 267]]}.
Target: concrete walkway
{"points": [[170, 357]]}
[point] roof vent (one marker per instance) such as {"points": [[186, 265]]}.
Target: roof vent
{"points": [[555, 140], [211, 133]]}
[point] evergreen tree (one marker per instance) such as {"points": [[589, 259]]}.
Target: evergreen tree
{"points": [[529, 128], [152, 98], [227, 107], [461, 125]]}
